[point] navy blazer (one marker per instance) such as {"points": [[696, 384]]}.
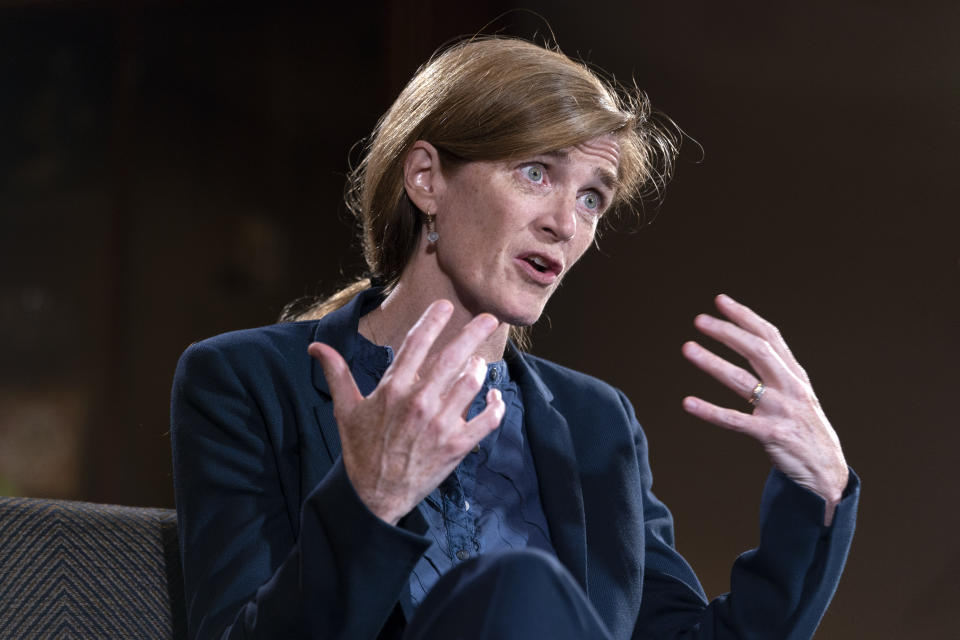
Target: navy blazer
{"points": [[276, 543]]}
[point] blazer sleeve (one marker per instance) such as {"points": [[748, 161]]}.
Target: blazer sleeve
{"points": [[780, 589], [252, 568]]}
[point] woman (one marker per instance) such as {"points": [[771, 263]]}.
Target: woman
{"points": [[421, 476]]}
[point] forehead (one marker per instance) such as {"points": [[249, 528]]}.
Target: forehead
{"points": [[602, 152], [605, 148]]}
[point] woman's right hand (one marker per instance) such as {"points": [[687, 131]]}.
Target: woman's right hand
{"points": [[401, 441]]}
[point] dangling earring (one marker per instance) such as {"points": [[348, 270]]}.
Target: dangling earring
{"points": [[432, 234]]}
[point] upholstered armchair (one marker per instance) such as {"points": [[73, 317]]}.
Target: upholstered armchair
{"points": [[82, 570]]}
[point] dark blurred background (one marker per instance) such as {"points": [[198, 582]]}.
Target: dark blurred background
{"points": [[172, 170]]}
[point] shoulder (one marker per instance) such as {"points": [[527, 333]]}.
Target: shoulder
{"points": [[600, 418], [280, 337], [574, 388], [251, 351]]}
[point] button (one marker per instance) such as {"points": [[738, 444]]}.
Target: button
{"points": [[463, 554], [494, 374], [476, 448], [466, 505]]}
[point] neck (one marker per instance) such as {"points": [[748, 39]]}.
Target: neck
{"points": [[389, 323]]}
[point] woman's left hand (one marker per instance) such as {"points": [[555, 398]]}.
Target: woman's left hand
{"points": [[786, 419]]}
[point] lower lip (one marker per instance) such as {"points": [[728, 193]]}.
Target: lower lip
{"points": [[542, 278]]}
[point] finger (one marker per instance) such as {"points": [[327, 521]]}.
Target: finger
{"points": [[750, 320], [723, 417], [343, 388], [416, 344], [487, 420], [758, 352], [464, 390], [454, 356], [736, 378]]}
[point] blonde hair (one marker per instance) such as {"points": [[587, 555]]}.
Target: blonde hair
{"points": [[492, 98]]}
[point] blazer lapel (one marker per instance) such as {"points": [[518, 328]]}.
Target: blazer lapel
{"points": [[337, 329], [319, 445], [556, 466]]}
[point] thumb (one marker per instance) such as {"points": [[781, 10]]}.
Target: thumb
{"points": [[343, 388]]}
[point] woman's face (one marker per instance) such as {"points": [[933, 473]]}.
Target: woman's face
{"points": [[509, 231]]}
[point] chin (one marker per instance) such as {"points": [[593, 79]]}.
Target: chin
{"points": [[520, 308], [519, 321], [521, 315]]}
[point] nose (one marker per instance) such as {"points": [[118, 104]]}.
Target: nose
{"points": [[559, 220]]}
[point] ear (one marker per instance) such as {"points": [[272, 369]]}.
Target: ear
{"points": [[422, 178]]}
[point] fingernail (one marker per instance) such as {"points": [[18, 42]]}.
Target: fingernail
{"points": [[443, 306], [488, 322], [689, 404], [725, 299], [704, 319]]}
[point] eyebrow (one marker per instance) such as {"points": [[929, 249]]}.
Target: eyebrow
{"points": [[609, 180]]}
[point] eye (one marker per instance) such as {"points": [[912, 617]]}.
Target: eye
{"points": [[534, 173], [591, 201]]}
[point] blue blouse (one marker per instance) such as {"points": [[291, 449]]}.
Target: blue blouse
{"points": [[491, 500]]}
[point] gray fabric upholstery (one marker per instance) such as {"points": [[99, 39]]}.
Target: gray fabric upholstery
{"points": [[83, 570]]}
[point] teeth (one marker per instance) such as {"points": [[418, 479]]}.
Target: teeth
{"points": [[540, 262]]}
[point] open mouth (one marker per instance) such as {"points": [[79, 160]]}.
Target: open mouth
{"points": [[541, 268], [538, 263]]}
